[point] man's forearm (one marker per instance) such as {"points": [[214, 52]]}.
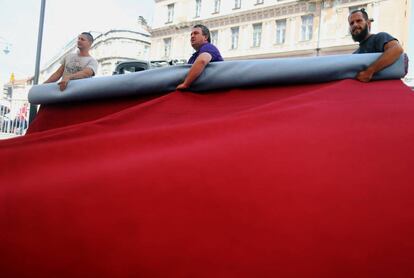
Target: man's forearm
{"points": [[386, 59], [79, 75], [392, 52], [56, 75], [195, 71], [53, 78]]}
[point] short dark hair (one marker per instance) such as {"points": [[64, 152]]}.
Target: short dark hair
{"points": [[204, 31], [88, 36], [363, 12]]}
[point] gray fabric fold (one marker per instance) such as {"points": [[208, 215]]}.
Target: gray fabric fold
{"points": [[217, 76]]}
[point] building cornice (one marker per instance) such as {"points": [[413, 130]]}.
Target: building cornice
{"points": [[278, 10], [103, 40], [348, 48], [117, 58], [123, 31]]}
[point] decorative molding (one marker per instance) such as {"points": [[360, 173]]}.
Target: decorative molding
{"points": [[117, 58], [277, 10], [347, 1], [103, 41]]}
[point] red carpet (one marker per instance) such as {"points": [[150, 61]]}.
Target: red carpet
{"points": [[299, 181]]}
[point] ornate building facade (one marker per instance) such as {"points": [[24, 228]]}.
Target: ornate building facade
{"points": [[245, 29]]}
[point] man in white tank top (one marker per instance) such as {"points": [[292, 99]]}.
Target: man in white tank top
{"points": [[76, 65]]}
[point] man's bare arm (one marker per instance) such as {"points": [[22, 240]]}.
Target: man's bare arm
{"points": [[56, 75], [392, 51], [198, 67], [85, 73]]}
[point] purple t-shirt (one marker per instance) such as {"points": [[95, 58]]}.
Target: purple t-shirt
{"points": [[210, 49]]}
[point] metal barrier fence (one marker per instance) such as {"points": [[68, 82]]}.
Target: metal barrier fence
{"points": [[13, 118]]}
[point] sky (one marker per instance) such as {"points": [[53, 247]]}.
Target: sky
{"points": [[64, 20]]}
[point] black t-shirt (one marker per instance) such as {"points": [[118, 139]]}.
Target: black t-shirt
{"points": [[374, 43]]}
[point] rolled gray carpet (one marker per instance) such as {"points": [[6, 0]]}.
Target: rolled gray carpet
{"points": [[216, 76]]}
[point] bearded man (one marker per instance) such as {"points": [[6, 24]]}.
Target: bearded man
{"points": [[359, 27]]}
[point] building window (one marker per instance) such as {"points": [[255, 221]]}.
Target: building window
{"points": [[214, 37], [167, 47], [216, 6], [257, 34], [237, 4], [146, 50], [307, 27], [280, 31], [198, 8], [234, 37], [170, 16], [258, 2]]}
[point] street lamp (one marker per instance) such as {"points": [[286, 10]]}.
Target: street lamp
{"points": [[6, 44], [6, 50]]}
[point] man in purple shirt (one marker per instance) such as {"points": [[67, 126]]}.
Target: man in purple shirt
{"points": [[205, 53]]}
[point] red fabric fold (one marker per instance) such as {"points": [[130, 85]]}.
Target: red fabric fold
{"points": [[292, 181]]}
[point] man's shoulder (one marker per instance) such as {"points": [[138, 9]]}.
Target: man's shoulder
{"points": [[212, 50], [208, 46], [67, 57], [91, 58], [383, 36], [72, 54], [88, 59]]}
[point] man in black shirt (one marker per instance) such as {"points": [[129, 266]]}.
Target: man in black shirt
{"points": [[359, 26]]}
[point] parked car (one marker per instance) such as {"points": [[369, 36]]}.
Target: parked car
{"points": [[140, 65]]}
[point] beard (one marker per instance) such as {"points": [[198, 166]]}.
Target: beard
{"points": [[361, 35]]}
